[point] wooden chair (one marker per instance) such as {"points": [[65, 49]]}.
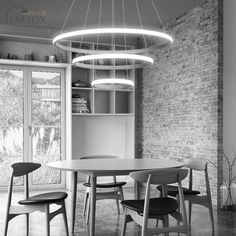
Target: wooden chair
{"points": [[116, 192], [157, 208], [194, 196], [39, 202]]}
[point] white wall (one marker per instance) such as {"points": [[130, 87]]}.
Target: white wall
{"points": [[229, 133], [97, 135]]}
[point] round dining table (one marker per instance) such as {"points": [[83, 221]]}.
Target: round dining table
{"points": [[106, 167]]}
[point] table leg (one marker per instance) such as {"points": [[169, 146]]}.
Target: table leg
{"points": [[93, 205], [74, 194], [137, 189]]}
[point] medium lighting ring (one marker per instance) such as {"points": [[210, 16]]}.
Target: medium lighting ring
{"points": [[101, 83], [167, 39], [143, 61]]}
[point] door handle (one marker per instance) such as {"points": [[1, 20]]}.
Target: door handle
{"points": [[30, 130]]}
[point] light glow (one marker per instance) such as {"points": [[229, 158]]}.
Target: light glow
{"points": [[100, 31], [125, 56], [86, 32], [112, 81]]}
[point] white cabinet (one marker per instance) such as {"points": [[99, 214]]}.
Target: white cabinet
{"points": [[108, 126]]}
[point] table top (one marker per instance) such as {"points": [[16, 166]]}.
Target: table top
{"points": [[104, 167]]}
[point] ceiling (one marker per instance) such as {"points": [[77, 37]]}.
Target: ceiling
{"points": [[51, 14]]}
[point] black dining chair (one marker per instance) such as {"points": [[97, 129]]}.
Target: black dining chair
{"points": [[39, 202], [158, 208], [113, 189], [194, 196]]}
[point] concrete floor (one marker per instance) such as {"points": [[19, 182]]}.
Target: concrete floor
{"points": [[108, 222]]}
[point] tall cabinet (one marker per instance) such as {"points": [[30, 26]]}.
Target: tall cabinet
{"points": [[106, 125]]}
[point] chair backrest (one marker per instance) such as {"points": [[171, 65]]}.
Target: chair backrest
{"points": [[99, 157], [196, 164], [24, 168], [21, 169], [162, 176]]}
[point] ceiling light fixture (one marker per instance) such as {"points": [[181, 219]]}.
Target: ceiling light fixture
{"points": [[101, 31], [116, 56], [117, 82], [127, 57]]}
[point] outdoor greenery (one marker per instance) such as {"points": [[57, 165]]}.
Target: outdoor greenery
{"points": [[46, 121]]}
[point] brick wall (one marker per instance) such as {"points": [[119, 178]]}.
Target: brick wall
{"points": [[179, 98]]}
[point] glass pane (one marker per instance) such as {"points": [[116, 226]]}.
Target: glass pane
{"points": [[11, 113], [46, 122], [11, 83], [46, 141], [11, 122], [46, 98], [11, 141], [5, 170], [46, 175]]}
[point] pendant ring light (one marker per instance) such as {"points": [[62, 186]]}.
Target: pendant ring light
{"points": [[116, 56], [167, 39], [127, 57], [104, 83]]}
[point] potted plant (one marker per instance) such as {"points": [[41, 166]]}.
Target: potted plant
{"points": [[228, 187]]}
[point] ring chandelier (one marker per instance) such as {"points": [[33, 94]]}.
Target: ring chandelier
{"points": [[167, 39], [144, 61], [117, 82], [129, 58]]}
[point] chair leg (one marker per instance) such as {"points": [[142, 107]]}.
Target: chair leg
{"points": [[47, 219], [124, 222], [27, 224], [65, 217], [86, 195], [165, 223], [6, 225], [118, 207], [122, 196], [189, 213], [116, 191], [212, 218], [88, 208]]}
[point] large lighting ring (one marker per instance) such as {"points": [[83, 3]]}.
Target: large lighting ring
{"points": [[116, 82], [81, 34], [138, 61]]}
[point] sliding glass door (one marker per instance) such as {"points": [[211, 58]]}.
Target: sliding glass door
{"points": [[12, 106], [32, 121]]}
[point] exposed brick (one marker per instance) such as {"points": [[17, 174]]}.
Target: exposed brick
{"points": [[179, 98]]}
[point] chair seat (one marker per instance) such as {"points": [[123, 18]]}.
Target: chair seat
{"points": [[173, 190], [157, 206], [50, 197], [107, 185]]}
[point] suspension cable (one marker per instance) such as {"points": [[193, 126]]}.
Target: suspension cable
{"points": [[85, 21], [66, 19], [123, 7], [158, 15], [140, 22]]}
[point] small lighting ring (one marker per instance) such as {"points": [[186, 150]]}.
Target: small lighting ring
{"points": [[112, 81], [167, 39], [145, 61]]}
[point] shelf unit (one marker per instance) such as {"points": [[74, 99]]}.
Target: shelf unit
{"points": [[18, 48], [107, 101], [108, 128]]}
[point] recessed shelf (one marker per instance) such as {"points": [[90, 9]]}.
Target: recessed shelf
{"points": [[33, 63], [102, 114], [82, 88]]}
